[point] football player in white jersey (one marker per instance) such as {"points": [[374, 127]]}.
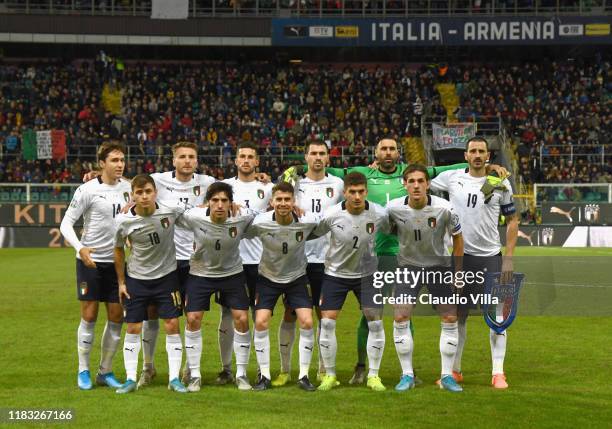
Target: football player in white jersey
{"points": [[316, 191], [99, 202], [150, 277], [349, 266], [182, 185], [421, 222], [479, 215], [216, 268], [251, 192], [282, 270]]}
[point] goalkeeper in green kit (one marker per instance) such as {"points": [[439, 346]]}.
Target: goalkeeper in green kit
{"points": [[385, 182]]}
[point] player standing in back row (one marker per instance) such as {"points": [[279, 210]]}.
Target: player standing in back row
{"points": [[99, 201], [479, 216]]}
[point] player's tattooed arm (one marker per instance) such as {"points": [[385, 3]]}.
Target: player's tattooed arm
{"points": [[263, 178]]}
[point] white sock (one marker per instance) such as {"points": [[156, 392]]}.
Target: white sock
{"points": [[193, 350], [85, 337], [376, 346], [174, 348], [110, 342], [261, 341], [286, 338], [462, 337], [404, 345], [449, 338], [318, 341], [226, 338], [131, 351], [150, 331], [498, 350], [306, 346], [328, 345], [242, 350]]}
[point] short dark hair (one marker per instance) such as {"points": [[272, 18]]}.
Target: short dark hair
{"points": [[248, 145], [283, 187], [141, 180], [188, 145], [416, 167], [476, 139], [314, 142], [218, 187], [355, 178], [109, 146]]}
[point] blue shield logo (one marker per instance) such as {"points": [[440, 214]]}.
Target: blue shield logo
{"points": [[500, 316]]}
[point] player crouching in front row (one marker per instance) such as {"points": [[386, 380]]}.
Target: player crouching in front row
{"points": [[151, 277]]}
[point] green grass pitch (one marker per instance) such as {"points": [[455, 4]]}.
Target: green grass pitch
{"points": [[558, 362]]}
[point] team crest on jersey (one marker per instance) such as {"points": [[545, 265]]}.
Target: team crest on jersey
{"points": [[260, 194], [83, 288], [299, 236], [126, 197], [233, 232], [329, 192], [196, 190], [370, 227], [165, 222], [431, 222]]}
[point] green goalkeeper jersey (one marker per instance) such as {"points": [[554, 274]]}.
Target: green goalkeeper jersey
{"points": [[382, 188]]}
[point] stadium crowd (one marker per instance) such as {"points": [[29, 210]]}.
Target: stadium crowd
{"points": [[548, 107]]}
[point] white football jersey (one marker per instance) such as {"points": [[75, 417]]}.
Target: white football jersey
{"points": [[255, 196], [152, 254], [352, 245], [171, 191], [217, 245], [479, 219], [316, 197], [421, 232], [283, 258], [99, 204]]}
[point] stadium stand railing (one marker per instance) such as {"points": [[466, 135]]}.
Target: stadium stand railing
{"points": [[313, 8]]}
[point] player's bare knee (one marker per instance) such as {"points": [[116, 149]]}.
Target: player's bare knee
{"points": [[134, 328], [401, 318], [241, 321], [329, 315], [194, 321], [171, 326], [89, 311], [114, 312], [449, 318]]}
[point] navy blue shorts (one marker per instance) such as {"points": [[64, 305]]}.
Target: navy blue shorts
{"points": [[433, 278], [162, 292], [97, 284], [335, 289], [231, 291], [182, 269], [295, 294], [478, 265]]}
